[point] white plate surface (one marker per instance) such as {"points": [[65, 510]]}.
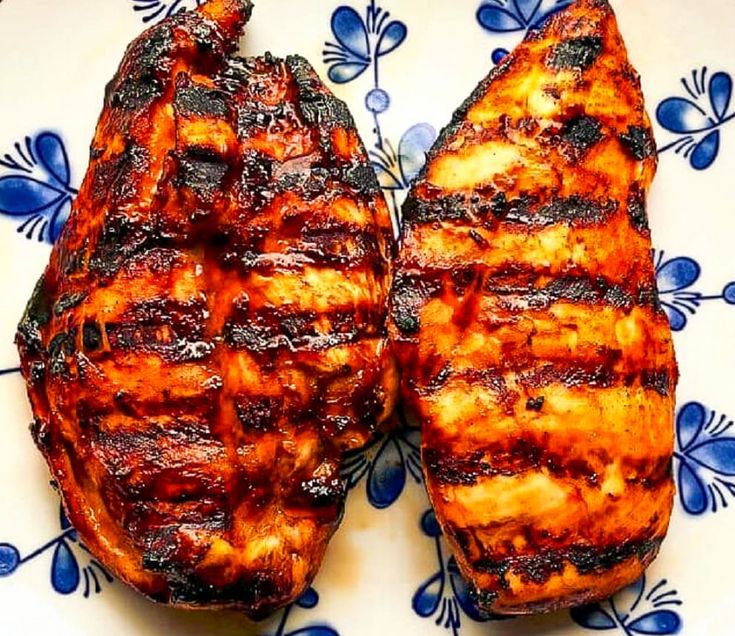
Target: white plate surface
{"points": [[386, 572]]}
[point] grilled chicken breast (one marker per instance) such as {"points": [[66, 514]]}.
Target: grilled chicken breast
{"points": [[209, 336], [525, 319]]}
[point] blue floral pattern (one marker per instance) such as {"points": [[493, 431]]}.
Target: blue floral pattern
{"points": [[705, 455], [511, 16], [359, 45], [396, 171], [674, 277], [634, 611], [35, 186], [386, 462], [66, 576], [444, 596], [308, 600], [697, 118], [154, 10]]}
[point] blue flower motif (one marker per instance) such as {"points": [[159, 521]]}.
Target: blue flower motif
{"points": [[510, 16], [507, 16], [698, 123], [36, 186], [387, 462], [360, 43], [160, 9], [705, 457], [396, 171], [634, 611], [66, 574], [445, 593], [674, 277], [308, 600]]}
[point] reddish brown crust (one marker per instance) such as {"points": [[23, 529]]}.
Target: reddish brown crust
{"points": [[525, 319], [209, 336]]}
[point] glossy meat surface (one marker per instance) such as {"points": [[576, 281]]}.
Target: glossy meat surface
{"points": [[209, 336], [525, 319]]}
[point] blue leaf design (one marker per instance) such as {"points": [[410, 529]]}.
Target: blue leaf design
{"points": [[462, 593], [22, 196], [676, 274], [706, 151], [308, 599], [344, 72], [498, 19], [689, 423], [692, 493], [593, 617], [63, 520], [627, 599], [412, 149], [386, 178], [391, 38], [315, 630], [9, 559], [527, 9], [387, 475], [544, 14], [657, 622], [350, 31], [427, 598], [430, 525], [680, 115], [51, 154], [498, 55], [720, 91], [64, 569], [59, 219], [716, 454], [677, 318]]}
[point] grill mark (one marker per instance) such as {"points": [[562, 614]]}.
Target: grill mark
{"points": [[202, 171], [139, 465], [636, 209], [639, 142], [570, 373], [517, 290], [270, 329], [192, 99], [133, 338], [576, 289], [198, 405], [143, 518], [257, 413], [582, 132], [123, 239], [173, 329], [576, 53], [117, 178], [68, 301], [531, 453], [36, 316], [408, 294], [492, 209], [538, 568], [341, 245]]}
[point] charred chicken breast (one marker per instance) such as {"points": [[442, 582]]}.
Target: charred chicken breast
{"points": [[209, 336], [526, 324]]}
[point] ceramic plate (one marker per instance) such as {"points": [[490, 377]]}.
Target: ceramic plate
{"points": [[402, 66]]}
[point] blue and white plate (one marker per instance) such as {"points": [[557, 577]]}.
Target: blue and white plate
{"points": [[403, 66]]}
